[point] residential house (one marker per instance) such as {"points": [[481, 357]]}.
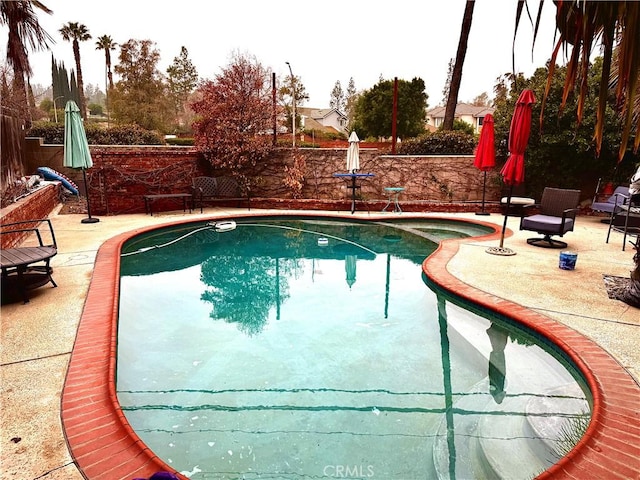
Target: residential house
{"points": [[472, 114], [326, 119]]}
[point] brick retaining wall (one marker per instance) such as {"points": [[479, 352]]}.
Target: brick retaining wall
{"points": [[37, 205]]}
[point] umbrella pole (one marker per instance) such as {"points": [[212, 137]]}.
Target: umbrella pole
{"points": [[501, 250], [484, 189], [506, 216], [90, 219]]}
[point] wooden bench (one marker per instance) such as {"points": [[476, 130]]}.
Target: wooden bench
{"points": [[217, 189], [19, 272]]}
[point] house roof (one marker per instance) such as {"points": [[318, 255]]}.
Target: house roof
{"points": [[313, 124], [462, 109], [319, 113]]}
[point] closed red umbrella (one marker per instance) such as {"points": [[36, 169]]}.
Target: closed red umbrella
{"points": [[513, 170], [485, 158]]}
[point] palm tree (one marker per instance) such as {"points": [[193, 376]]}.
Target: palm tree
{"points": [[24, 31], [456, 74], [76, 33], [107, 44]]}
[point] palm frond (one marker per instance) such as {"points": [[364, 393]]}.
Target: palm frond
{"points": [[615, 26]]}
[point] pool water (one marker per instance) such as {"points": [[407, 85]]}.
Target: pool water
{"points": [[316, 348]]}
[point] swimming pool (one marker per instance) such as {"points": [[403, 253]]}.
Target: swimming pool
{"points": [[277, 355]]}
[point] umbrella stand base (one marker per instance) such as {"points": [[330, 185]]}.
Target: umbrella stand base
{"points": [[90, 220], [500, 251], [483, 213]]}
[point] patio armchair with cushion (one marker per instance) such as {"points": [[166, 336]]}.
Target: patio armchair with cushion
{"points": [[556, 216], [612, 204]]}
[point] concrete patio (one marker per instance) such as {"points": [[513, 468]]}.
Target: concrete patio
{"points": [[37, 338]]}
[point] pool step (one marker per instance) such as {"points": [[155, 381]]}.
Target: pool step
{"points": [[509, 445], [463, 455], [514, 439], [489, 445], [556, 431]]}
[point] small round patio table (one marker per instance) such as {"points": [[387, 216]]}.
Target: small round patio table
{"points": [[393, 193]]}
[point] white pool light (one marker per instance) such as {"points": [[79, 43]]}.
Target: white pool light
{"points": [[323, 242]]}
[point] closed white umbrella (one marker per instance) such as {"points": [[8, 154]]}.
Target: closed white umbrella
{"points": [[353, 153]]}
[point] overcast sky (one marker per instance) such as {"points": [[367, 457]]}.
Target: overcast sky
{"points": [[323, 42]]}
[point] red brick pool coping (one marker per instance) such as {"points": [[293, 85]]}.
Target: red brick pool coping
{"points": [[105, 447]]}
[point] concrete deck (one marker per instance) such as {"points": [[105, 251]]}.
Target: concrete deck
{"points": [[38, 338]]}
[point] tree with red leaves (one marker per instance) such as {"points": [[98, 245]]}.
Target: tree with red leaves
{"points": [[234, 118]]}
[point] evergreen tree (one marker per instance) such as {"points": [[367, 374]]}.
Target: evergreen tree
{"points": [[350, 101], [337, 97], [140, 97], [182, 79]]}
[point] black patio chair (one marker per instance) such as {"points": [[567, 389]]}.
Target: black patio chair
{"points": [[627, 222], [556, 216]]}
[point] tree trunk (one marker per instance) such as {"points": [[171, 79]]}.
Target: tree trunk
{"points": [[629, 291], [83, 103], [456, 76]]}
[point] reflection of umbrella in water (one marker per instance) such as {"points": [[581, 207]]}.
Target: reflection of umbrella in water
{"points": [[350, 269], [485, 158], [388, 239], [513, 170], [76, 149], [497, 364], [353, 153]]}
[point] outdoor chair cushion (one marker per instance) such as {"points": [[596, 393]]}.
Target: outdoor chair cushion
{"points": [[545, 223]]}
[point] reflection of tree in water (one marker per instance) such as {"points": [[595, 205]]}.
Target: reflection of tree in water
{"points": [[244, 289]]}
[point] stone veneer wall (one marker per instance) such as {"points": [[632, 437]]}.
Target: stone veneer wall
{"points": [[122, 175]]}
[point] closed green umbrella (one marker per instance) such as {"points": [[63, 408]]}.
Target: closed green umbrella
{"points": [[76, 149]]}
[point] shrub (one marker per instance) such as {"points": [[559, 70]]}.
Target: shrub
{"points": [[439, 143], [325, 135], [53, 133], [182, 142]]}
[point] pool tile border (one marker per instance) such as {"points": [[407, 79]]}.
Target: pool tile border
{"points": [[104, 446]]}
